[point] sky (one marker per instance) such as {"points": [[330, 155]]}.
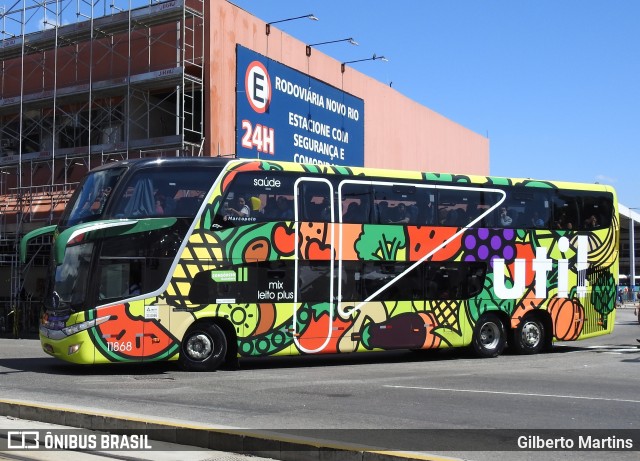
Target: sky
{"points": [[553, 84]]}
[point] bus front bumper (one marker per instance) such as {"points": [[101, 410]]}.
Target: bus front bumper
{"points": [[67, 348]]}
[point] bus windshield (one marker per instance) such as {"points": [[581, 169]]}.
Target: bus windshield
{"points": [[162, 192], [91, 197], [115, 267]]}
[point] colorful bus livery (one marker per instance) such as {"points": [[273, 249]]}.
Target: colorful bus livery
{"points": [[282, 258]]}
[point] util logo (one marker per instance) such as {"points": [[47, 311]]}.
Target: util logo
{"points": [[257, 86], [541, 265]]}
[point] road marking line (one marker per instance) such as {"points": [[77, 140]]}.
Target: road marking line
{"points": [[614, 349], [521, 394]]}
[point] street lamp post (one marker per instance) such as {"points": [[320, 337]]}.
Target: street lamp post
{"points": [[373, 58], [350, 40], [306, 16]]}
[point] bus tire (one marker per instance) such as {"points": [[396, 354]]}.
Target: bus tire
{"points": [[203, 347], [489, 337], [529, 336]]}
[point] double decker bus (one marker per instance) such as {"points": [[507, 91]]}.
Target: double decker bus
{"points": [[207, 260]]}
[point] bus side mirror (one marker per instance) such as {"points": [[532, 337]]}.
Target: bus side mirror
{"points": [[24, 242]]}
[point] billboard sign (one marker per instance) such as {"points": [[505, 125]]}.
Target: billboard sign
{"points": [[284, 114]]}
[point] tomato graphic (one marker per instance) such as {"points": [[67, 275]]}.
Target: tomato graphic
{"points": [[424, 240]]}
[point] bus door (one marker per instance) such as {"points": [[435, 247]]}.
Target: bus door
{"points": [[316, 281], [153, 338]]}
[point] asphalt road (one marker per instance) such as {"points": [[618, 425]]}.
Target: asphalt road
{"points": [[401, 400]]}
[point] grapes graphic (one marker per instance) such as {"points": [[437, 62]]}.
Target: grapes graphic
{"points": [[487, 244]]}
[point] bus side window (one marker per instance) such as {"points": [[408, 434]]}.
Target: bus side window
{"points": [[453, 280], [399, 204], [475, 278], [314, 281], [376, 275], [382, 212], [270, 210], [455, 205], [314, 202], [428, 213], [188, 206], [595, 210], [533, 205], [354, 213], [268, 198], [487, 201], [565, 212], [142, 202], [356, 203]]}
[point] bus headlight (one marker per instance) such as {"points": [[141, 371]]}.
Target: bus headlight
{"points": [[78, 327]]}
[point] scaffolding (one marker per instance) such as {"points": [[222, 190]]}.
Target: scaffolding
{"points": [[82, 83]]}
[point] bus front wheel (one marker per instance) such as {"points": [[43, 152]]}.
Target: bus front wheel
{"points": [[489, 336], [203, 347], [529, 336]]}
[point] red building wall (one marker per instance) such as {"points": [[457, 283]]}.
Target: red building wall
{"points": [[391, 119]]}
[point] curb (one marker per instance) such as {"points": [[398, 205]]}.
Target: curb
{"points": [[246, 442]]}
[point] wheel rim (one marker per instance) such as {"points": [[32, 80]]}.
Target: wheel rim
{"points": [[199, 346], [531, 334], [489, 335]]}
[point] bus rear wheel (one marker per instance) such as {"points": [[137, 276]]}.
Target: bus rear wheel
{"points": [[529, 336], [203, 347], [489, 338]]}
